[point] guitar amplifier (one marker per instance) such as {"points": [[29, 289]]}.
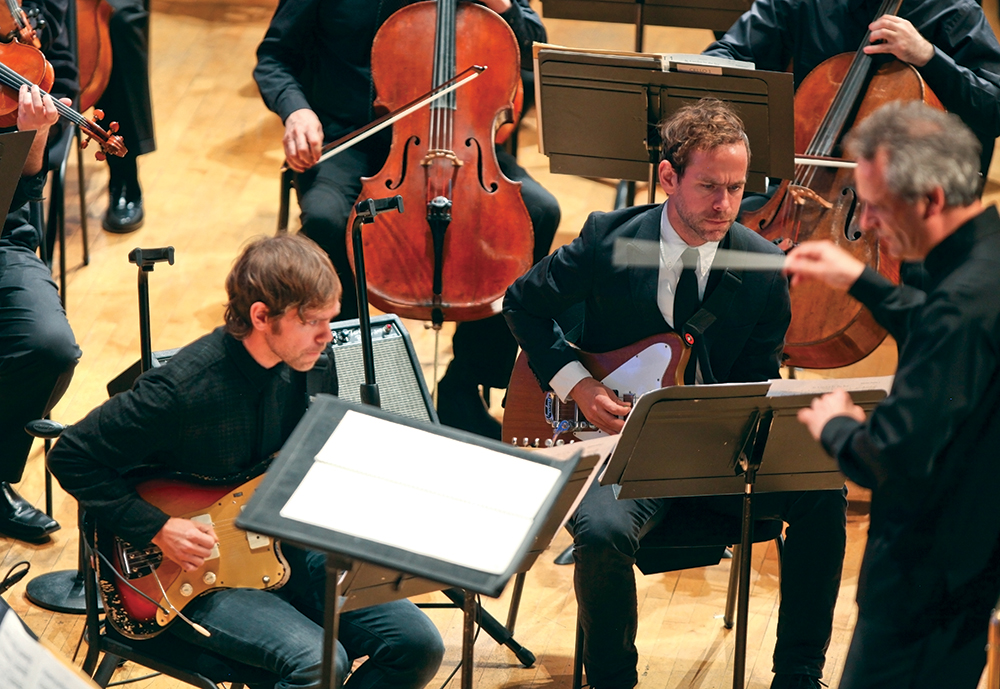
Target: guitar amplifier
{"points": [[397, 371]]}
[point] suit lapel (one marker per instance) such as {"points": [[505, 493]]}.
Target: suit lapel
{"points": [[644, 281]]}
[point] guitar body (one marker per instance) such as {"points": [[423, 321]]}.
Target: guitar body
{"points": [[241, 559], [536, 418]]}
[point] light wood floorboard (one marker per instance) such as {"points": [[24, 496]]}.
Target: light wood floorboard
{"points": [[213, 184]]}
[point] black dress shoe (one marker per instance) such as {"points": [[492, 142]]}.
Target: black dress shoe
{"points": [[19, 520], [123, 215], [796, 682], [461, 406]]}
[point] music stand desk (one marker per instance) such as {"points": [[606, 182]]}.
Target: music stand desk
{"points": [[368, 534], [731, 439]]}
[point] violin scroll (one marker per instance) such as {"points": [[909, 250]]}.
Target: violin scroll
{"points": [[110, 141]]}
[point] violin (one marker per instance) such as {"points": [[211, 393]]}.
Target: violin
{"points": [[22, 64], [16, 24], [470, 235], [830, 329]]}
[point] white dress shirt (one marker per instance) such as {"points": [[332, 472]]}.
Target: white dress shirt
{"points": [[671, 249]]}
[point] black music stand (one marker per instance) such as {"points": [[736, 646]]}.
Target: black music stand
{"points": [[717, 15], [731, 439], [387, 524], [598, 112]]}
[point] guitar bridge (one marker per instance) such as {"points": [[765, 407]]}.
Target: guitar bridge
{"points": [[139, 562], [565, 417]]}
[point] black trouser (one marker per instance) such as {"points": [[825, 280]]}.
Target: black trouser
{"points": [[126, 100], [937, 644], [37, 352], [484, 350], [606, 534]]}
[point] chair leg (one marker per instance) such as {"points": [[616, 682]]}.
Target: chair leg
{"points": [[106, 669], [283, 200], [578, 657], [81, 182]]}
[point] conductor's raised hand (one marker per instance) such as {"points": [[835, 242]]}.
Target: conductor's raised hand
{"points": [[600, 405], [823, 261], [303, 140], [186, 542]]}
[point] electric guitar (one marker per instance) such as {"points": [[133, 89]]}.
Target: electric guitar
{"points": [[535, 418], [241, 558]]}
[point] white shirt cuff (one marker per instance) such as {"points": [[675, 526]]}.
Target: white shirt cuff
{"points": [[567, 377]]}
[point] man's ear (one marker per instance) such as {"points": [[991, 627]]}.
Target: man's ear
{"points": [[259, 315], [935, 202], [668, 177]]}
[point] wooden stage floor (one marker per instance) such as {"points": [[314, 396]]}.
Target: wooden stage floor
{"points": [[211, 185]]}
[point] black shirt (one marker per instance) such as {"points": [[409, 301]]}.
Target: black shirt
{"points": [[211, 412], [929, 451], [317, 55], [964, 72]]}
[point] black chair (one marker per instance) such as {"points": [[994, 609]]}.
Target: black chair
{"points": [[692, 537], [164, 653], [287, 182]]}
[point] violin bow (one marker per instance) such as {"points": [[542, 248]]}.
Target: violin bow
{"points": [[375, 126]]}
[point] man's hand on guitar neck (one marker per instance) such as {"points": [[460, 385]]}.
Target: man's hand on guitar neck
{"points": [[600, 405], [186, 542]]}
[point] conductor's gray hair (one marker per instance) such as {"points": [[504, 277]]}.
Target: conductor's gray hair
{"points": [[925, 148]]}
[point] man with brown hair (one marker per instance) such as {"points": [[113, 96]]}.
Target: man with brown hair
{"points": [[220, 409], [703, 172]]}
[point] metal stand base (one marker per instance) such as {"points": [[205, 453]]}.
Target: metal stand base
{"points": [[60, 591]]}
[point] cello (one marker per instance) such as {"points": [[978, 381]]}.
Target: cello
{"points": [[830, 329], [472, 236]]}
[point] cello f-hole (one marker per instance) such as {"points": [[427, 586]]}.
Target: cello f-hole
{"points": [[851, 231], [412, 141], [493, 186]]}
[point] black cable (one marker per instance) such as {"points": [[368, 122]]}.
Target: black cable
{"points": [[12, 577], [134, 679]]}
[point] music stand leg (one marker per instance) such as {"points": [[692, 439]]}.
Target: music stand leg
{"points": [[335, 569], [492, 627], [743, 594], [468, 638]]}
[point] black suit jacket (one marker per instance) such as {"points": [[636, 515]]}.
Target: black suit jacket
{"points": [[744, 344]]}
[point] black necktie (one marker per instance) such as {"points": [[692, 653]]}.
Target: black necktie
{"points": [[686, 302]]}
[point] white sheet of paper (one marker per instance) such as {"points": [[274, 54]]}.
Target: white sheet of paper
{"points": [[26, 664], [419, 491], [781, 387]]}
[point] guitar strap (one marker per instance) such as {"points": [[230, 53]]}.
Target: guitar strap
{"points": [[696, 326], [322, 377]]}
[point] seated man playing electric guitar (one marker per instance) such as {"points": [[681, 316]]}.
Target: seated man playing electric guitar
{"points": [[704, 168], [219, 410]]}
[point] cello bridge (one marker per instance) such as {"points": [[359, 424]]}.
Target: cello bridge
{"points": [[434, 153]]}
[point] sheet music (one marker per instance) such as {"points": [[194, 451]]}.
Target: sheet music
{"points": [[425, 493], [782, 387], [26, 664]]}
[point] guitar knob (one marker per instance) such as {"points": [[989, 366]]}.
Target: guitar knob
{"points": [[209, 578], [266, 579], [536, 443], [524, 442], [186, 590], [548, 442]]}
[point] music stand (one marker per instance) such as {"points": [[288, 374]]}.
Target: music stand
{"points": [[717, 15], [413, 514], [727, 439], [598, 111]]}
